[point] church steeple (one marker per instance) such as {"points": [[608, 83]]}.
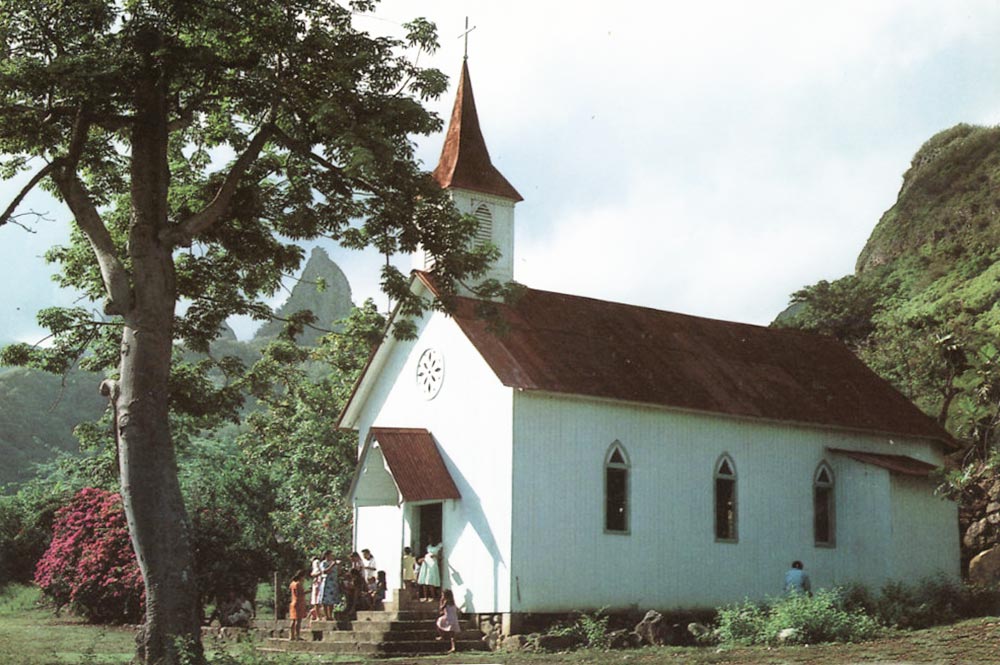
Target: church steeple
{"points": [[475, 185], [465, 161]]}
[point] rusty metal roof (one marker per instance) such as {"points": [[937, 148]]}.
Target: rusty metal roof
{"points": [[581, 346], [900, 464], [415, 463], [465, 161]]}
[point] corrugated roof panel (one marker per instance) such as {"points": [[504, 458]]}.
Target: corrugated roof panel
{"points": [[581, 346], [415, 463], [900, 464]]}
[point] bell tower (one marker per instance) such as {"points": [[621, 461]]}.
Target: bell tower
{"points": [[475, 185]]}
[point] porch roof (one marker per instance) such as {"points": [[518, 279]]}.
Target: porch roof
{"points": [[899, 464], [415, 463]]}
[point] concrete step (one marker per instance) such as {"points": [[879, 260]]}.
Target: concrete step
{"points": [[401, 615], [390, 648], [340, 624], [379, 637], [392, 626]]}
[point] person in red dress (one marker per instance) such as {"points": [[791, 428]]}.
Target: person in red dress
{"points": [[297, 608]]}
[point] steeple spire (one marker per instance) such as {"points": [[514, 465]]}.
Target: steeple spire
{"points": [[465, 162]]}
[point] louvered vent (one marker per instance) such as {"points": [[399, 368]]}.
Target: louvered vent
{"points": [[484, 232]]}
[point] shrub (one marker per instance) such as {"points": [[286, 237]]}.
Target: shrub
{"points": [[25, 528], [930, 602], [89, 564], [819, 618], [590, 630], [741, 624]]}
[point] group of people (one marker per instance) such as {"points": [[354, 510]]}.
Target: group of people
{"points": [[422, 578], [356, 583], [422, 575], [359, 585]]}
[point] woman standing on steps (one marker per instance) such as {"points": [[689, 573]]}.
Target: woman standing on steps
{"points": [[297, 609], [430, 573]]}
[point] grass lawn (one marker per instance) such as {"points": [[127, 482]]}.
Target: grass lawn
{"points": [[32, 635]]}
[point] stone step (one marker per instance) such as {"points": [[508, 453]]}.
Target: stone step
{"points": [[340, 624], [388, 648], [402, 615], [391, 626], [379, 637]]}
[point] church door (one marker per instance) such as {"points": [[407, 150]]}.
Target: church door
{"points": [[428, 526]]}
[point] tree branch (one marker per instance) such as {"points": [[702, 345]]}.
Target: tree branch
{"points": [[183, 233], [74, 192], [8, 214], [302, 148]]}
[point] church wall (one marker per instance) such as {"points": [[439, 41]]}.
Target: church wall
{"points": [[925, 529], [563, 559], [470, 419], [379, 528]]}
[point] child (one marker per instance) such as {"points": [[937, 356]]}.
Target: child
{"points": [[447, 623], [317, 587], [297, 607], [409, 570], [380, 589]]}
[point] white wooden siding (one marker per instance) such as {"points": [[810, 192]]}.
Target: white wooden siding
{"points": [[471, 420], [563, 558], [925, 535]]}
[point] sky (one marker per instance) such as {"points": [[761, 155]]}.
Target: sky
{"points": [[709, 158]]}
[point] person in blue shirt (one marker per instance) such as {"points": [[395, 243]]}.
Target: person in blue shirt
{"points": [[796, 580]]}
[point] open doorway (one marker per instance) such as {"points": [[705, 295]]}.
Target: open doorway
{"points": [[428, 526]]}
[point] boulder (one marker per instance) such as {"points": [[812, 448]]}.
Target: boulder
{"points": [[653, 629], [492, 637], [977, 535], [623, 639], [984, 569], [698, 631], [788, 635], [993, 507], [556, 642], [514, 643]]}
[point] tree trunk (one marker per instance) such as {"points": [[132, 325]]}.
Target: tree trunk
{"points": [[158, 523]]}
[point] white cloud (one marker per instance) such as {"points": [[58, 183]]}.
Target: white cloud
{"points": [[706, 157]]}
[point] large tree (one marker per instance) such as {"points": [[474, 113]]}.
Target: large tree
{"points": [[193, 141]]}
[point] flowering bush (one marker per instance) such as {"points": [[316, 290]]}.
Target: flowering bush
{"points": [[89, 564]]}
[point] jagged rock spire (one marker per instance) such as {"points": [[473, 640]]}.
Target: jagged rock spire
{"points": [[465, 162]]}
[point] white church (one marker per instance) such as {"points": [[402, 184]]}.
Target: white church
{"points": [[608, 455]]}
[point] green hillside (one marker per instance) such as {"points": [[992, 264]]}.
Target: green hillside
{"points": [[941, 240], [38, 411]]}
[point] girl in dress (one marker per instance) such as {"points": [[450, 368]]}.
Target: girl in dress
{"points": [[297, 606], [447, 623], [409, 571]]}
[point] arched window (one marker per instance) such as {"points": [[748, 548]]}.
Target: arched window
{"points": [[823, 504], [725, 499], [616, 489], [484, 231]]}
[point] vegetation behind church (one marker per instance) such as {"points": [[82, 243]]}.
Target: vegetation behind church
{"points": [[922, 307]]}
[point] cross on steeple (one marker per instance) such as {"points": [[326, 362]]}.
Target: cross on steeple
{"points": [[465, 35]]}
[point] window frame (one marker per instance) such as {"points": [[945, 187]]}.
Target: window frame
{"points": [[725, 458], [829, 487], [484, 223], [626, 468]]}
